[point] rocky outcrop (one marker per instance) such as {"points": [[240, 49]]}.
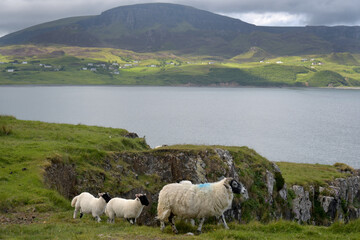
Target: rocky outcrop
{"points": [[124, 174], [341, 198]]}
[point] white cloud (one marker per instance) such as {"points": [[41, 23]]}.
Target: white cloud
{"points": [[270, 18]]}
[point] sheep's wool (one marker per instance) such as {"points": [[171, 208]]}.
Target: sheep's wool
{"points": [[124, 208], [194, 201], [87, 203]]}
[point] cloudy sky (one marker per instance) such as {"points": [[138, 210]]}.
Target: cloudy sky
{"points": [[18, 14]]}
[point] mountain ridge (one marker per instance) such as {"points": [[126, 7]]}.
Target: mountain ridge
{"points": [[155, 27]]}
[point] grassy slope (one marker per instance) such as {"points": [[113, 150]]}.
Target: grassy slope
{"points": [[195, 70], [29, 144], [306, 174], [26, 146]]}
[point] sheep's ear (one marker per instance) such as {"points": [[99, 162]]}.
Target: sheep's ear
{"points": [[137, 195]]}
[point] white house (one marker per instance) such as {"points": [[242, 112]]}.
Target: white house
{"points": [[10, 70]]}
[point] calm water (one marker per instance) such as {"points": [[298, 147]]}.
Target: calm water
{"points": [[296, 125]]}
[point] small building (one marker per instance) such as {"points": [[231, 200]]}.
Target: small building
{"points": [[116, 72], [90, 64], [84, 68], [93, 69], [279, 62], [24, 62], [11, 70]]}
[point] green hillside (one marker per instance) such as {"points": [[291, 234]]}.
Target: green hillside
{"points": [[343, 59], [61, 65]]}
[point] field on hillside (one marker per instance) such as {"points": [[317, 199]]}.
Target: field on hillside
{"points": [[31, 208], [29, 64]]}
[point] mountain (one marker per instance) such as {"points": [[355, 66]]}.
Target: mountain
{"points": [[185, 30]]}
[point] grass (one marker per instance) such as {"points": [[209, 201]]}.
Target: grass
{"points": [[306, 174], [62, 226]]}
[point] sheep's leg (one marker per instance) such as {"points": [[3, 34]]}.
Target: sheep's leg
{"points": [[162, 225], [172, 222], [130, 220], [97, 218], [81, 214], [224, 222], [200, 225], [75, 212], [192, 221]]}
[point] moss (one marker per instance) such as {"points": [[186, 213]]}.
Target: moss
{"points": [[342, 167]]}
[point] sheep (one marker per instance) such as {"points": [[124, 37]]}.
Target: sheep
{"points": [[189, 201], [130, 209], [87, 203]]}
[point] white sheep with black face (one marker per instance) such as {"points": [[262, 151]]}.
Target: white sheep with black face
{"points": [[130, 209], [87, 203], [190, 201]]}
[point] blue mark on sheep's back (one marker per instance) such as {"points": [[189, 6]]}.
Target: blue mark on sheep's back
{"points": [[204, 185]]}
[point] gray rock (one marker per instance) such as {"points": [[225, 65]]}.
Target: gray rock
{"points": [[301, 204], [283, 192], [228, 159], [326, 202], [270, 180], [276, 167]]}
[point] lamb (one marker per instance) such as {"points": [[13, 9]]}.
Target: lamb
{"points": [[87, 203], [189, 201], [130, 209]]}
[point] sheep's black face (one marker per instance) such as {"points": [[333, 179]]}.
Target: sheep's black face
{"points": [[236, 186], [106, 197], [144, 200]]}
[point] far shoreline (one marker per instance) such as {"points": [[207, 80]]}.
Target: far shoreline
{"points": [[175, 86]]}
